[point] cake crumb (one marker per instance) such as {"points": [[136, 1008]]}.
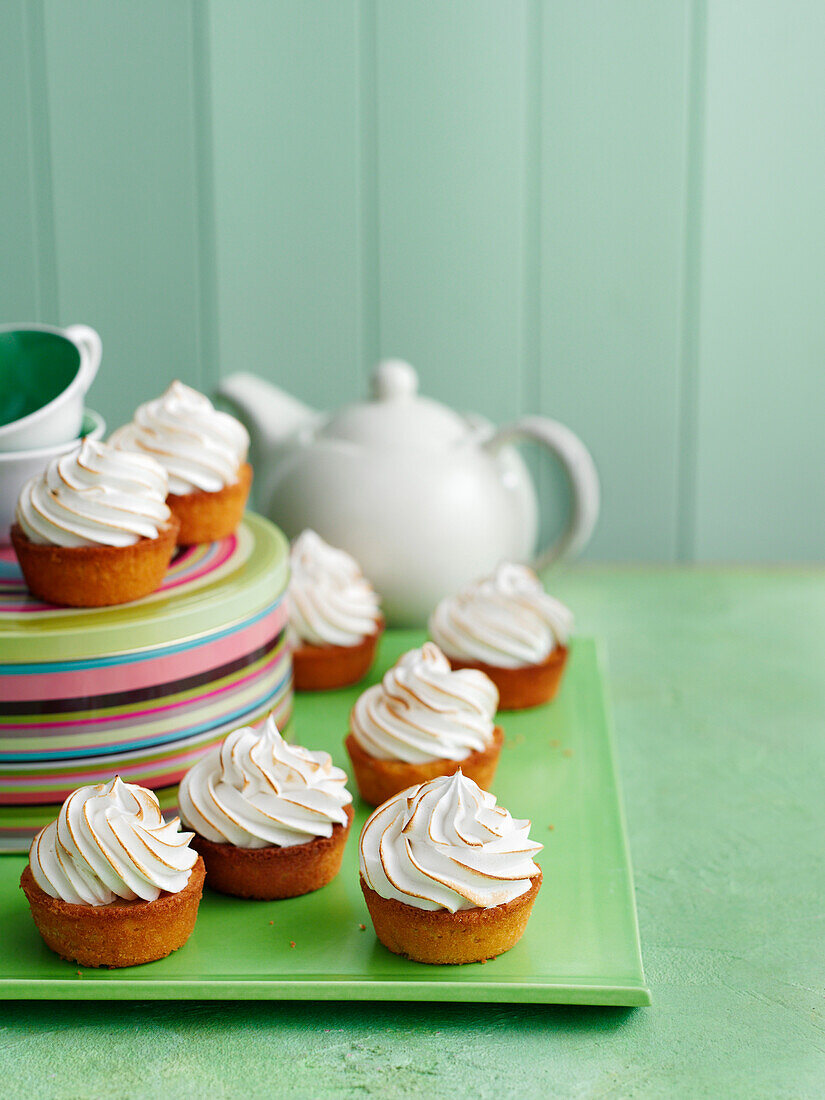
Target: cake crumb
{"points": [[551, 827], [567, 752], [292, 943], [272, 922], [363, 927], [482, 961], [80, 973]]}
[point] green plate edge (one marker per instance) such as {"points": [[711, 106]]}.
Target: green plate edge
{"points": [[417, 983]]}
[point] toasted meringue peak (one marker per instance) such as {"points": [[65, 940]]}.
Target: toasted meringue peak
{"points": [[255, 790], [201, 448], [505, 619], [446, 844], [95, 496], [110, 841], [422, 710], [331, 602]]}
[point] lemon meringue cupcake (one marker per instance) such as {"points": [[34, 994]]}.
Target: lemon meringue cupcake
{"points": [[270, 819], [508, 627], [448, 876], [335, 618], [204, 454], [94, 528], [421, 721], [110, 883]]}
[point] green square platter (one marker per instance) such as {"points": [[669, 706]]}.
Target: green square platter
{"points": [[581, 945]]}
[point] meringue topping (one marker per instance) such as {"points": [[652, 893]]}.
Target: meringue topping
{"points": [[255, 790], [201, 448], [446, 844], [95, 496], [506, 620], [423, 711], [330, 600], [110, 841]]}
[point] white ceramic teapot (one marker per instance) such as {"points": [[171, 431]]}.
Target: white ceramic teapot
{"points": [[425, 499]]}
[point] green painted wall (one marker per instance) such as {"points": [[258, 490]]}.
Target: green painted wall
{"points": [[606, 210]]}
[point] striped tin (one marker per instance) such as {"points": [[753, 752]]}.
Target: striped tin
{"points": [[140, 690]]}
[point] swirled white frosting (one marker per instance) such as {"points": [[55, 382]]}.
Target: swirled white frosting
{"points": [[201, 449], [447, 845], [110, 841], [330, 600], [95, 496], [255, 790], [506, 620], [422, 710]]}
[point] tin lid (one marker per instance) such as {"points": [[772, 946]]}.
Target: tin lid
{"points": [[206, 588]]}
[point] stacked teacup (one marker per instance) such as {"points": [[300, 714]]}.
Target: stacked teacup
{"points": [[45, 373]]}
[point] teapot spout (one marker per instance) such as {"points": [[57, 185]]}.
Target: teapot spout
{"points": [[271, 415]]}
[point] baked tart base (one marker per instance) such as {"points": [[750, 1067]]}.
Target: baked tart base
{"points": [[272, 873], [205, 517], [379, 780], [94, 576], [528, 686], [123, 933], [444, 938], [324, 667]]}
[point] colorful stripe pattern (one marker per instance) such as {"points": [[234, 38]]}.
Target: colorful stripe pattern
{"points": [[60, 711], [33, 784], [147, 714]]}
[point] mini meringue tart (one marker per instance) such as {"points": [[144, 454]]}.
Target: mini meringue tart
{"points": [[508, 627], [109, 882], [270, 819], [94, 529], [335, 619], [448, 875], [204, 454], [423, 720]]}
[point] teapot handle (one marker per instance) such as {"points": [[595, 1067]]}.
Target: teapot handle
{"points": [[581, 472]]}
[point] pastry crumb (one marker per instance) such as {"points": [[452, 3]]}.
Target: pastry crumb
{"points": [[551, 827], [363, 927], [292, 943], [80, 973]]}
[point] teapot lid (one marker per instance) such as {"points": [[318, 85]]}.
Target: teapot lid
{"points": [[396, 416]]}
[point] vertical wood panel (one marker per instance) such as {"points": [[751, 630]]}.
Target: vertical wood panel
{"points": [[514, 196], [691, 289], [452, 162], [125, 190], [19, 293], [285, 89], [614, 86], [760, 475]]}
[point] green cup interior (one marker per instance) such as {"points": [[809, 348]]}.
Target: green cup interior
{"points": [[35, 368]]}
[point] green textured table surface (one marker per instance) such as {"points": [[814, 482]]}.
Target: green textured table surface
{"points": [[718, 688]]}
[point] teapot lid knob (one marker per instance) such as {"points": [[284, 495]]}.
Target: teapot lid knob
{"points": [[394, 379]]}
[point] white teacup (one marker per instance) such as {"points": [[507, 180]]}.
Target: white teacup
{"points": [[17, 467], [45, 373]]}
